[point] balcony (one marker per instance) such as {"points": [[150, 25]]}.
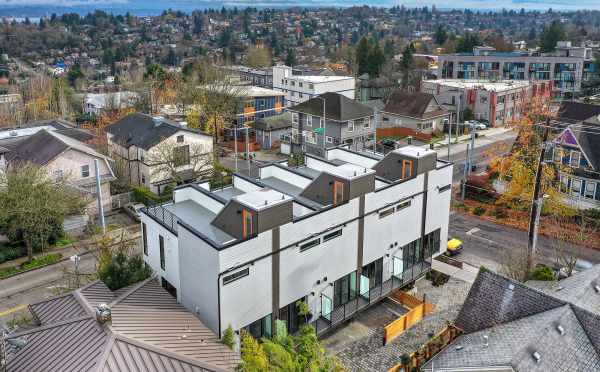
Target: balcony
{"points": [[327, 322]]}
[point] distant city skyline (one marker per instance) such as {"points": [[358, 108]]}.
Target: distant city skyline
{"points": [[190, 4]]}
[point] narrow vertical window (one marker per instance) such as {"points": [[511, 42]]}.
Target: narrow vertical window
{"points": [[144, 239], [248, 228], [338, 192], [407, 168], [161, 243]]}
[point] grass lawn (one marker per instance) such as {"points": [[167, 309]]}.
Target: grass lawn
{"points": [[36, 262]]}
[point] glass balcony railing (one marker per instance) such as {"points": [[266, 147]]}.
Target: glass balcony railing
{"points": [[338, 315]]}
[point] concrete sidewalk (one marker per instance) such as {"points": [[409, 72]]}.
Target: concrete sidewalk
{"points": [[467, 274], [485, 138]]}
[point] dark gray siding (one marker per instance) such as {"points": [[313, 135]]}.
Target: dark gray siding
{"points": [[361, 186], [274, 216], [321, 189], [230, 219]]}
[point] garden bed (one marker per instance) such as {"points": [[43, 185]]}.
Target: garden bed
{"points": [[36, 263]]}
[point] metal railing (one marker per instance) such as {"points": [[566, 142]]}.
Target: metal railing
{"points": [[163, 216], [338, 315]]}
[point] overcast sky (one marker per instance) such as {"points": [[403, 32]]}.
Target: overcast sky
{"points": [[474, 4]]}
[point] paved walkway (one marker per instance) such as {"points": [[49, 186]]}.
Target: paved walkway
{"points": [[368, 353], [467, 274]]}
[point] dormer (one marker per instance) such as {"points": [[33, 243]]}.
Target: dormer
{"points": [[405, 163], [254, 212], [340, 184]]}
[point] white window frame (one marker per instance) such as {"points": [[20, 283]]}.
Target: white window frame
{"points": [[309, 120], [350, 125], [295, 118], [328, 139], [587, 190], [571, 158], [87, 167], [573, 191], [367, 123]]}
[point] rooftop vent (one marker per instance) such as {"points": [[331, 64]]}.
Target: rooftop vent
{"points": [[597, 288], [459, 347], [560, 329], [103, 313], [537, 356], [486, 341], [511, 287]]}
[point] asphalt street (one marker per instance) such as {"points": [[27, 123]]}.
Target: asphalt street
{"points": [[487, 243]]}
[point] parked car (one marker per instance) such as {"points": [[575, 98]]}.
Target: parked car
{"points": [[133, 210]]}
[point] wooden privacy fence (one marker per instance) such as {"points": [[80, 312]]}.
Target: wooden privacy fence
{"points": [[433, 346], [418, 309], [403, 132]]}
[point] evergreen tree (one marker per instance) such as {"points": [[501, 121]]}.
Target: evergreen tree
{"points": [[290, 59], [550, 36], [362, 55], [440, 35], [375, 61]]}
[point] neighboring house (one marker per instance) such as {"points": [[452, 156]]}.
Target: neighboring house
{"points": [[20, 132], [567, 67], [66, 158], [268, 131], [577, 152], [300, 87], [509, 326], [412, 114], [346, 122], [496, 102], [378, 88], [339, 233], [138, 137], [143, 329], [97, 103], [255, 103]]}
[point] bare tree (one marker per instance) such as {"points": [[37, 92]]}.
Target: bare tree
{"points": [[179, 161]]}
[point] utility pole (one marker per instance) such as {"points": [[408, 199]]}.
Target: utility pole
{"points": [[470, 154], [536, 204], [235, 152], [465, 174], [99, 196]]}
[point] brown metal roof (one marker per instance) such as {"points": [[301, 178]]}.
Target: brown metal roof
{"points": [[73, 345], [125, 355], [151, 315], [57, 309], [149, 331]]}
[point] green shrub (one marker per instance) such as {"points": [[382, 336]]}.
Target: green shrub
{"points": [[499, 213], [119, 270], [10, 253], [479, 211], [437, 278], [143, 195], [36, 262], [544, 273], [228, 338]]}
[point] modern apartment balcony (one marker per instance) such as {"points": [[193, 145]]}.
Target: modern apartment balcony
{"points": [[327, 322]]}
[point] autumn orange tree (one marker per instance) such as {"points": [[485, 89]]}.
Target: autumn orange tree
{"points": [[517, 170]]}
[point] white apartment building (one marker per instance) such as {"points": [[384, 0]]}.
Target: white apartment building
{"points": [[497, 102], [340, 233], [299, 88]]}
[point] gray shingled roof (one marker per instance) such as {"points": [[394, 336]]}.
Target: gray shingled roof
{"points": [[274, 122], [143, 130], [149, 331], [337, 107], [519, 320], [412, 105]]}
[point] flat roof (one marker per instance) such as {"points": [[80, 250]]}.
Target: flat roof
{"points": [[319, 78], [496, 86], [200, 219], [350, 171], [261, 199], [290, 189], [414, 151]]}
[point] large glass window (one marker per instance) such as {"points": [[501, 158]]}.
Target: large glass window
{"points": [[590, 188], [374, 272], [344, 290], [338, 192], [290, 316], [261, 328], [248, 226]]}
